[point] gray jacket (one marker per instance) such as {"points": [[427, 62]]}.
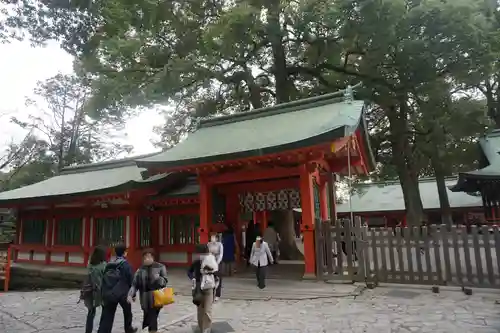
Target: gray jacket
{"points": [[261, 256], [146, 280]]}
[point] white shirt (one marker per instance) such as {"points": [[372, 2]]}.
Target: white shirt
{"points": [[217, 249], [261, 255]]}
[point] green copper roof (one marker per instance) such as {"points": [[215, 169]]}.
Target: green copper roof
{"points": [[97, 178], [490, 161], [264, 131], [388, 196]]}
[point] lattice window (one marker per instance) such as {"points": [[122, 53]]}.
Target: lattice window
{"points": [[145, 231], [69, 231], [182, 229], [109, 231], [33, 231]]}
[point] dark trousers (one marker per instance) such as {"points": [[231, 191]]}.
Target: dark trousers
{"points": [[260, 274], [108, 316], [151, 319], [218, 290], [89, 324], [354, 252]]}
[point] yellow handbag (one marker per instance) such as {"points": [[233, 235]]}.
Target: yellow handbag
{"points": [[162, 297]]}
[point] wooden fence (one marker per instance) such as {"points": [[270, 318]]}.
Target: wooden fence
{"points": [[435, 255]]}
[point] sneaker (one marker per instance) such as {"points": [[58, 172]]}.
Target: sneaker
{"points": [[216, 299]]}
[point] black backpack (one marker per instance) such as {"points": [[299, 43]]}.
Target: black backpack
{"points": [[87, 290], [113, 287]]}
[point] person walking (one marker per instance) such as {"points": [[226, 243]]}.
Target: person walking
{"points": [[91, 290], [116, 283], [149, 277], [202, 274], [260, 258], [216, 248], [229, 246]]}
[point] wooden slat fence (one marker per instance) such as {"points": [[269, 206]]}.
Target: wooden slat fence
{"points": [[414, 255]]}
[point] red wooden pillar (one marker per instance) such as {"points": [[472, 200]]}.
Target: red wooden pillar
{"points": [[133, 255], [86, 239], [307, 227], [205, 209], [263, 224], [49, 236]]}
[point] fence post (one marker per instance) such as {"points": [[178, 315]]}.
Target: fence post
{"points": [[360, 250], [319, 245]]}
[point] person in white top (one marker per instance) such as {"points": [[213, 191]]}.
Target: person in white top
{"points": [[216, 248], [260, 258]]}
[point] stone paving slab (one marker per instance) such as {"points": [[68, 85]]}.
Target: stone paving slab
{"points": [[386, 310], [378, 311]]}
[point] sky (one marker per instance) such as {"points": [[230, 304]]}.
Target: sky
{"points": [[22, 66]]}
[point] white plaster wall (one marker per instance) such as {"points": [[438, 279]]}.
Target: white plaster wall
{"points": [[57, 257], [23, 255], [174, 257], [40, 256], [75, 258]]}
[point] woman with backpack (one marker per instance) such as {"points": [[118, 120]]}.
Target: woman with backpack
{"points": [[150, 277], [91, 290]]}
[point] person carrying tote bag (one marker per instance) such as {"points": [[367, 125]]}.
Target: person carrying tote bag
{"points": [[150, 278]]}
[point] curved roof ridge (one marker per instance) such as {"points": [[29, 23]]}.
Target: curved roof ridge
{"points": [[106, 165], [297, 105]]}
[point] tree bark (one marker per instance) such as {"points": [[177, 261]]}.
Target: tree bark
{"points": [[403, 159], [285, 226], [444, 203], [275, 33]]}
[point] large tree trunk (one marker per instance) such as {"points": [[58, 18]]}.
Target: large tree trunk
{"points": [[440, 174], [285, 226], [275, 33], [403, 159], [444, 203]]}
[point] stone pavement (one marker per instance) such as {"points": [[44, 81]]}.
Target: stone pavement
{"points": [[387, 310]]}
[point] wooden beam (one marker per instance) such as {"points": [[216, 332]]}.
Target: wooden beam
{"points": [[253, 175], [361, 150], [338, 164], [259, 186]]}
